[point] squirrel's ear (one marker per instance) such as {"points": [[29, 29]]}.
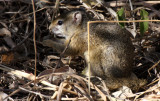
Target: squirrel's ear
{"points": [[77, 17]]}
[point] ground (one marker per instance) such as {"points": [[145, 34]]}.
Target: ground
{"points": [[58, 77]]}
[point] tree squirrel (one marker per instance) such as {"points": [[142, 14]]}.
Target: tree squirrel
{"points": [[111, 50]]}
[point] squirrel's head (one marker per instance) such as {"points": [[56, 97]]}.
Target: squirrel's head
{"points": [[66, 25]]}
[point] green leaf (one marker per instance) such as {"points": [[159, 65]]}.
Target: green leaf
{"points": [[120, 14], [143, 25]]}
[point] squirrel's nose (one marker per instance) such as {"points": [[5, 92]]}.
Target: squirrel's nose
{"points": [[50, 27]]}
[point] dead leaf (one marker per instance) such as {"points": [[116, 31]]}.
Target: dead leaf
{"points": [[7, 58], [123, 93], [5, 32], [4, 95]]}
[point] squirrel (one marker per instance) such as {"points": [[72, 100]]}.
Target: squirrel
{"points": [[111, 49]]}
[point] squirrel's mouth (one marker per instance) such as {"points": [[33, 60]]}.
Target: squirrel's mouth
{"points": [[53, 36], [59, 35]]}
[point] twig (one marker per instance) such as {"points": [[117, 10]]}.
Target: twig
{"points": [[82, 91], [34, 40], [36, 93], [124, 21], [56, 9], [16, 91], [75, 99], [153, 67], [5, 68], [119, 3], [104, 97], [64, 50], [146, 91], [133, 17], [89, 65]]}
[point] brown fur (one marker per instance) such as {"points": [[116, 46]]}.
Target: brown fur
{"points": [[111, 53]]}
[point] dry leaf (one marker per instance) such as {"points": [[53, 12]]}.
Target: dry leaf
{"points": [[5, 32], [4, 95], [123, 93], [7, 58]]}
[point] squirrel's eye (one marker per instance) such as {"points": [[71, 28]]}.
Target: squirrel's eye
{"points": [[60, 22]]}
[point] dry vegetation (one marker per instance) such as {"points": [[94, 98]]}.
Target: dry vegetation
{"points": [[57, 76]]}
